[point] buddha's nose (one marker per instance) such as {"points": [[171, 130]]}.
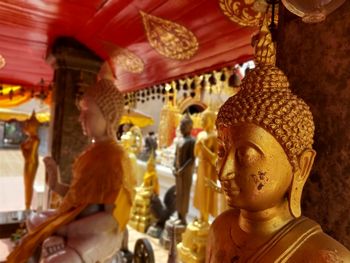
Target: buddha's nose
{"points": [[227, 171]]}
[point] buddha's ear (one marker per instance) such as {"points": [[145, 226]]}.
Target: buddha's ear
{"points": [[305, 162]]}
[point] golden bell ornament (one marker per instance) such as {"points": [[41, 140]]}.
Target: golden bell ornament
{"points": [[312, 11]]}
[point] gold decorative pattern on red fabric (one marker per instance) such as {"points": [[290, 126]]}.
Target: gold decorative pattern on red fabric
{"points": [[129, 61], [170, 39], [242, 12]]}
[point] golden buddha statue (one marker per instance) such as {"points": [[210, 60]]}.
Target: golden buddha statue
{"points": [[30, 153], [90, 222], [265, 136], [132, 142], [141, 217], [150, 179], [205, 198]]}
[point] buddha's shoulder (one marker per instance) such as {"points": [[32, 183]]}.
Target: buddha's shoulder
{"points": [[225, 219], [321, 248]]}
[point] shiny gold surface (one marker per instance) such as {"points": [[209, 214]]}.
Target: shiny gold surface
{"points": [[266, 100], [132, 140], [265, 136], [206, 199], [192, 247], [169, 120], [170, 39], [30, 153], [141, 216]]}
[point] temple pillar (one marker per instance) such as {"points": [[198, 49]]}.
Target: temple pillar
{"points": [[315, 57], [76, 67]]}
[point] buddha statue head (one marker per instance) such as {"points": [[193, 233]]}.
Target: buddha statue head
{"points": [[265, 135], [31, 125], [208, 119], [186, 125], [101, 109]]}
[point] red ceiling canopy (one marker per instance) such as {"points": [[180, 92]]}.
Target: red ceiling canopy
{"points": [[149, 41]]}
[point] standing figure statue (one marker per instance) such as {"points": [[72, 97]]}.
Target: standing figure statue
{"points": [[183, 167], [265, 136], [30, 153], [90, 222], [205, 197]]}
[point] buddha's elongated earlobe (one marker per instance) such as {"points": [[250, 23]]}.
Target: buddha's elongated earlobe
{"points": [[306, 161]]}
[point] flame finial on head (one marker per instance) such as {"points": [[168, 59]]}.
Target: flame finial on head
{"points": [[265, 51]]}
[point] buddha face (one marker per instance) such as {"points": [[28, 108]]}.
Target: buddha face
{"points": [[30, 127], [253, 168], [186, 127], [207, 121], [91, 119]]}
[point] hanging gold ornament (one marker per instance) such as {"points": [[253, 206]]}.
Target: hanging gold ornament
{"points": [[169, 39], [314, 11], [242, 12]]}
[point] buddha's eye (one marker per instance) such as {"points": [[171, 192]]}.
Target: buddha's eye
{"points": [[247, 155]]}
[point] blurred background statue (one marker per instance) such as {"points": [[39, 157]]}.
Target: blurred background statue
{"points": [[30, 153], [205, 197], [141, 216], [150, 147], [132, 143], [193, 244], [183, 167], [89, 225]]}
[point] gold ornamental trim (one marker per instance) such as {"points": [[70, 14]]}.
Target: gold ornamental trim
{"points": [[241, 12], [168, 38]]}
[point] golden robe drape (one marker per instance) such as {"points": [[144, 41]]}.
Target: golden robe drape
{"points": [[100, 176]]}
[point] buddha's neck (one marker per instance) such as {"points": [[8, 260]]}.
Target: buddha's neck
{"points": [[265, 222]]}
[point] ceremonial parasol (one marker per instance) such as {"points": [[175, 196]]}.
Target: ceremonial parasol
{"points": [[137, 118]]}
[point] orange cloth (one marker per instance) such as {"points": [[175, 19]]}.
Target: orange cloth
{"points": [[99, 174]]}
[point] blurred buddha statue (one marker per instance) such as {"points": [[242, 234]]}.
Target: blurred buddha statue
{"points": [[150, 179], [136, 139], [132, 143], [141, 216], [192, 246], [183, 167], [30, 153], [205, 197], [150, 146], [90, 222], [265, 136]]}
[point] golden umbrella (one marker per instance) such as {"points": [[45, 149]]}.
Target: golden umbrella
{"points": [[137, 118], [8, 114]]}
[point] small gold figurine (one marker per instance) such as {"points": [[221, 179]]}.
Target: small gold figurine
{"points": [[30, 153], [141, 217], [265, 136]]}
